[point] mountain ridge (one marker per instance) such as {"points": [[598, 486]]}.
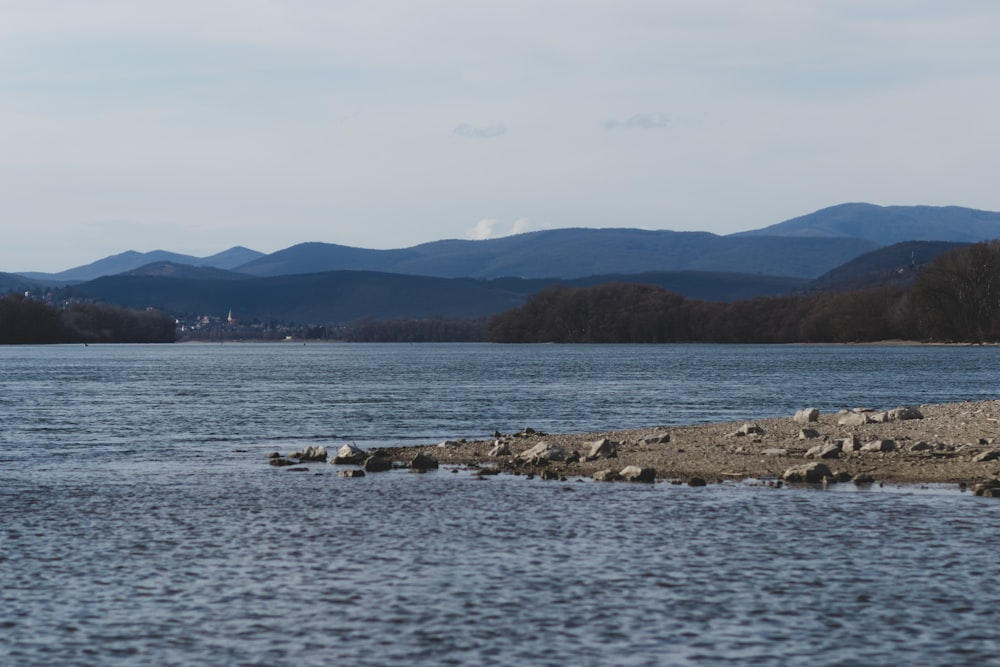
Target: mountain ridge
{"points": [[339, 297], [887, 225], [131, 260], [574, 253], [803, 247]]}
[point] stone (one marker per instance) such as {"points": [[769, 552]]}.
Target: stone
{"points": [[351, 472], [849, 444], [281, 461], [573, 457], [827, 450], [853, 419], [602, 449], [697, 481], [606, 476], [549, 475], [660, 439], [311, 453], [905, 412], [775, 451], [990, 455], [878, 418], [748, 428], [500, 448], [637, 474], [449, 444], [806, 415], [987, 489], [376, 463], [864, 479], [350, 454], [810, 473], [920, 446], [543, 450], [423, 462], [879, 446], [808, 434], [274, 455]]}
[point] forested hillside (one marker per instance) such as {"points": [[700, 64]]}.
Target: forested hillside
{"points": [[26, 321], [956, 298]]}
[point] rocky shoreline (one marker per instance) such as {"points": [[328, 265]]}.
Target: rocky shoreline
{"points": [[956, 443]]}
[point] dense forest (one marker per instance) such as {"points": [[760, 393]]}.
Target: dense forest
{"points": [[27, 321], [956, 299]]}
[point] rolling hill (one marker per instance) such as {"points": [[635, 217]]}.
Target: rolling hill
{"points": [[842, 247], [12, 282], [334, 297], [897, 264], [887, 225], [131, 260], [338, 297], [804, 247], [575, 253]]}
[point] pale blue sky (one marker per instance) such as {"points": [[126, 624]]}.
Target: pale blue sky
{"points": [[194, 126]]}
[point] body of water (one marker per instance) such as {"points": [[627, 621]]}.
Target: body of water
{"points": [[140, 523]]}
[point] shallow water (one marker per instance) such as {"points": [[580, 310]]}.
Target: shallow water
{"points": [[140, 524], [237, 564]]}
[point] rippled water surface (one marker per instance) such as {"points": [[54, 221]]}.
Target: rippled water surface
{"points": [[140, 524]]}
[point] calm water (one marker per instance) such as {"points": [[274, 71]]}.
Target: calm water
{"points": [[140, 524]]}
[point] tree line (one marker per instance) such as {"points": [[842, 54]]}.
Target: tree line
{"points": [[956, 299], [28, 321]]}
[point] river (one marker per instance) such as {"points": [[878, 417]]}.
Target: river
{"points": [[141, 523]]}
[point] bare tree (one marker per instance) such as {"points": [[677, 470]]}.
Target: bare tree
{"points": [[959, 293]]}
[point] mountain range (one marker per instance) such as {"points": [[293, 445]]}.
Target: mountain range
{"points": [[887, 225], [130, 260], [841, 247]]}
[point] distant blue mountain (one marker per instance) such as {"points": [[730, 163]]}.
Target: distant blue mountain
{"points": [[887, 225], [12, 282], [575, 253], [897, 264], [843, 247], [805, 247], [339, 297], [131, 260]]}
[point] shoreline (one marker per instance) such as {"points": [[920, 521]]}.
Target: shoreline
{"points": [[951, 443]]}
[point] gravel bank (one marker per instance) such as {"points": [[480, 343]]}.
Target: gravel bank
{"points": [[948, 443]]}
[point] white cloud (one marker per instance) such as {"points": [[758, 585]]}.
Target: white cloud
{"points": [[520, 226], [487, 228], [483, 230], [642, 121], [485, 132]]}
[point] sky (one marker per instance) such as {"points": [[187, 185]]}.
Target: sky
{"points": [[197, 125]]}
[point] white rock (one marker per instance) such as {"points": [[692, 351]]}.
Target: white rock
{"points": [[544, 450], [500, 448], [806, 415]]}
